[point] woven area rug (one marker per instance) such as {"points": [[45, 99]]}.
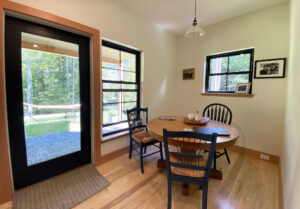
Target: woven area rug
{"points": [[61, 192]]}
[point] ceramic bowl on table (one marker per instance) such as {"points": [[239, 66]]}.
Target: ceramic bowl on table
{"points": [[201, 122], [191, 116]]}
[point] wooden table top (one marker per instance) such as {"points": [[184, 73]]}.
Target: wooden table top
{"points": [[156, 126]]}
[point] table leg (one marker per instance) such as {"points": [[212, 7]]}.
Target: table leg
{"points": [[215, 174], [185, 189], [161, 163]]}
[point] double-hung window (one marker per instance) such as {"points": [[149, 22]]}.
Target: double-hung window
{"points": [[224, 71], [121, 85]]}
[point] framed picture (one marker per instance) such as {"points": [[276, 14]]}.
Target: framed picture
{"points": [[271, 68], [188, 74], [242, 88]]}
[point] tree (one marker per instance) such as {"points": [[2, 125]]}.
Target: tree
{"points": [[29, 85], [46, 79]]}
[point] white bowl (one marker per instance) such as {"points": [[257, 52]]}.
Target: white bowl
{"points": [[191, 116]]}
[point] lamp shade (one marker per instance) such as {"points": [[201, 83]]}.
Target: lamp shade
{"points": [[194, 32]]}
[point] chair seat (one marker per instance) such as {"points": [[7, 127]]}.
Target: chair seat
{"points": [[175, 158], [143, 136]]}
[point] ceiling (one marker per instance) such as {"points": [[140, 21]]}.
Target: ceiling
{"points": [[176, 15]]}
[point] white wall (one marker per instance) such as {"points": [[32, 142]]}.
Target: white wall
{"points": [[118, 24], [260, 119], [290, 160]]}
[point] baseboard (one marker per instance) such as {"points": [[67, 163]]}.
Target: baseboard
{"points": [[113, 155], [273, 158]]}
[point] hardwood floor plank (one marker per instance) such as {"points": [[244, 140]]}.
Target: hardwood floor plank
{"points": [[248, 183]]}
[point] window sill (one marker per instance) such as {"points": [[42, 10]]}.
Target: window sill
{"points": [[114, 136], [118, 135], [227, 94]]}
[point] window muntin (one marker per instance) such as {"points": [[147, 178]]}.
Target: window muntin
{"points": [[225, 70], [120, 83]]}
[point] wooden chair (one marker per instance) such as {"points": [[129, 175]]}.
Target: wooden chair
{"points": [[186, 164], [221, 113], [139, 135]]}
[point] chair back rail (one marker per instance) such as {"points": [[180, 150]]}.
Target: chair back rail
{"points": [[187, 150], [218, 112], [137, 118]]}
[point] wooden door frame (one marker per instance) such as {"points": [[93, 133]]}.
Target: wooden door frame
{"points": [[25, 12]]}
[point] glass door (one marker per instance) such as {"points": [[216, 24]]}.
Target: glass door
{"points": [[48, 100]]}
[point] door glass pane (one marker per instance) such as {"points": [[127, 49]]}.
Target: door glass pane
{"points": [[51, 101]]}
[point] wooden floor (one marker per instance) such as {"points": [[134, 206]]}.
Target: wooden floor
{"points": [[247, 183]]}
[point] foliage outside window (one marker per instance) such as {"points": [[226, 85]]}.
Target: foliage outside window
{"points": [[224, 71], [49, 80], [121, 84]]}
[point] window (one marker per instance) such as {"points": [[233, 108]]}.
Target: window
{"points": [[224, 71], [121, 85]]}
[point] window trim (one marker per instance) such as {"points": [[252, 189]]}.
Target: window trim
{"points": [[137, 83], [228, 54]]}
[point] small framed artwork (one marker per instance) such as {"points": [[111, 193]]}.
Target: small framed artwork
{"points": [[271, 68], [242, 88], [188, 74]]}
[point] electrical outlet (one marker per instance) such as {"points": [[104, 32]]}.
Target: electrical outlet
{"points": [[264, 157]]}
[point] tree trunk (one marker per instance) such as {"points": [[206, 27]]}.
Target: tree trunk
{"points": [[73, 75], [67, 67], [29, 86]]}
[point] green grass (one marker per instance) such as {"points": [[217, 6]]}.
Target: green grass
{"points": [[39, 129]]}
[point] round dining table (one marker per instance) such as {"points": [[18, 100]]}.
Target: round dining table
{"points": [[177, 123]]}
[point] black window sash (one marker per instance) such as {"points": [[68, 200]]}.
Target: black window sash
{"points": [[229, 54], [137, 83]]}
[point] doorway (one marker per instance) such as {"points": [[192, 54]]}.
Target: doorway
{"points": [[48, 100]]}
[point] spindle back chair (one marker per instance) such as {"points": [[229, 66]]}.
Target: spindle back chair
{"points": [[222, 113], [139, 135], [218, 112], [185, 163]]}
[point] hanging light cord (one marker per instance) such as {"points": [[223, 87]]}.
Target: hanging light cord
{"points": [[195, 8], [195, 19]]}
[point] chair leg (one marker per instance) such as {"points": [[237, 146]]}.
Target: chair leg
{"points": [[160, 150], [215, 161], [141, 158], [130, 148], [145, 150], [204, 197], [226, 153], [169, 193]]}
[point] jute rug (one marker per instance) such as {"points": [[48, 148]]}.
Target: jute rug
{"points": [[61, 192]]}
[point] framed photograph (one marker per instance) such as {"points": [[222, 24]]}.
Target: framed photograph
{"points": [[242, 88], [271, 68], [188, 74]]}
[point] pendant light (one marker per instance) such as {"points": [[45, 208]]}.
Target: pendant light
{"points": [[195, 31]]}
